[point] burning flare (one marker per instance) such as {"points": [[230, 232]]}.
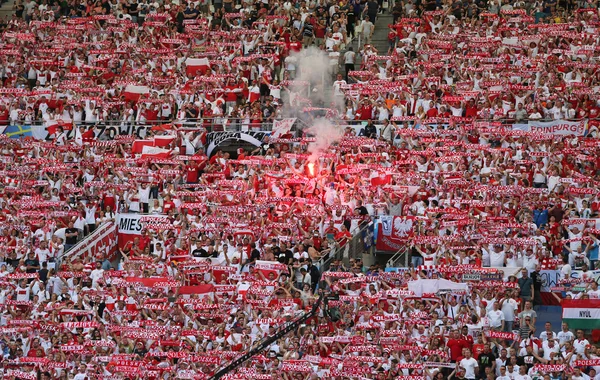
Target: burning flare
{"points": [[311, 169]]}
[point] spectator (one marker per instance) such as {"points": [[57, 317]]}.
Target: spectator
{"points": [[526, 287], [71, 236]]}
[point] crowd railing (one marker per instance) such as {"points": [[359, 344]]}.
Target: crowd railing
{"points": [[353, 248], [230, 124], [100, 243], [400, 259]]}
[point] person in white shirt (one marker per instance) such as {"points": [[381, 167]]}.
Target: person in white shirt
{"points": [[530, 260], [547, 333], [22, 291], [565, 335], [565, 270], [522, 375], [593, 291], [578, 375], [496, 317], [470, 365], [90, 218], [550, 346], [512, 371], [96, 274], [337, 86], [497, 255], [503, 375], [42, 252], [580, 342], [144, 194]]}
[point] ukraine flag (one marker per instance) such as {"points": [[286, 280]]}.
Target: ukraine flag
{"points": [[17, 131]]}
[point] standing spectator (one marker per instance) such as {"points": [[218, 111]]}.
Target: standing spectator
{"points": [[528, 312], [470, 365], [349, 61], [368, 28], [526, 286], [372, 9], [509, 307], [536, 278], [32, 263], [496, 317], [547, 334], [71, 236], [486, 359]]}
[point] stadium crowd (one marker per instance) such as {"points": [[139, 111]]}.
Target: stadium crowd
{"points": [[233, 248]]}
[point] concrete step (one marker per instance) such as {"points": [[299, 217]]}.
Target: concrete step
{"points": [[6, 10], [380, 39]]}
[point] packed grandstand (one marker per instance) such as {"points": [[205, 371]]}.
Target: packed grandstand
{"points": [[183, 181]]}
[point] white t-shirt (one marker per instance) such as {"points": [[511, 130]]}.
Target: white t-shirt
{"points": [[565, 336], [349, 57], [544, 335], [42, 254], [496, 317], [497, 258], [469, 365], [579, 345], [508, 308]]}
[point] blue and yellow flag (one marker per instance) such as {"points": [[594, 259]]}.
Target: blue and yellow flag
{"points": [[17, 131]]}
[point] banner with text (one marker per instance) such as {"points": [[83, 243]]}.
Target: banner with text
{"points": [[130, 226], [559, 127]]}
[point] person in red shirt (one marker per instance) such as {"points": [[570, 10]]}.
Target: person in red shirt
{"points": [[365, 111], [3, 115], [456, 345], [466, 337], [294, 45], [152, 113], [479, 347], [343, 236], [471, 109], [168, 204], [192, 172], [432, 112], [36, 351]]}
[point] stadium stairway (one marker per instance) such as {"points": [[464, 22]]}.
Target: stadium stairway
{"points": [[380, 35], [379, 40], [6, 9]]}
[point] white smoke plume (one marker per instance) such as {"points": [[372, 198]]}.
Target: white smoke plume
{"points": [[326, 134], [313, 66]]}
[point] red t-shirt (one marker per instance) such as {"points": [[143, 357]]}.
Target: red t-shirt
{"points": [[192, 174], [456, 346], [342, 237]]}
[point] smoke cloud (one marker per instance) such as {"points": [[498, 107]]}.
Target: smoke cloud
{"points": [[315, 70], [326, 134]]}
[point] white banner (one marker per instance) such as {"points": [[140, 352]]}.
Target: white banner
{"points": [[558, 127], [551, 278], [131, 225], [432, 286], [282, 127]]}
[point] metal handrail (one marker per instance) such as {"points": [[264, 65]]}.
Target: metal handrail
{"points": [[349, 250], [197, 124], [209, 121], [79, 249], [396, 259]]}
